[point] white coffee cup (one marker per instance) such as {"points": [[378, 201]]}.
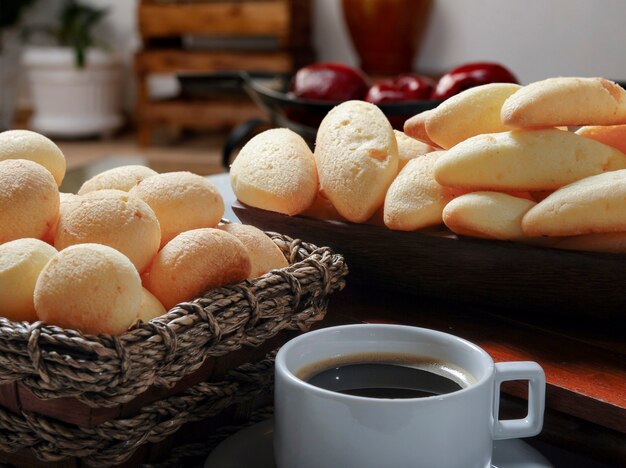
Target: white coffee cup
{"points": [[318, 428]]}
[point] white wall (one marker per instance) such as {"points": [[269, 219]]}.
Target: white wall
{"points": [[534, 38]]}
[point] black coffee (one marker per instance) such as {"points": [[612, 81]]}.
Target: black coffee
{"points": [[386, 376]]}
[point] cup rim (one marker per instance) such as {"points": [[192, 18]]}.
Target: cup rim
{"points": [[280, 365]]}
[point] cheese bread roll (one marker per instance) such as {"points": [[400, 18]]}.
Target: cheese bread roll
{"points": [[523, 160], [21, 262], [566, 101], [195, 261], [29, 200], [469, 113], [409, 148], [489, 215], [119, 178], [415, 199], [181, 201], [594, 204], [357, 158], [264, 254], [24, 144], [415, 127], [611, 135], [89, 287], [275, 171]]}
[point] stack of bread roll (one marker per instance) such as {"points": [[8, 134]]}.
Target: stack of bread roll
{"points": [[496, 161], [129, 246]]}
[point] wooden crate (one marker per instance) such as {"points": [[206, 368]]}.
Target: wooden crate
{"points": [[163, 26]]}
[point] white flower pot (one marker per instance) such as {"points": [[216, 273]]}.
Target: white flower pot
{"points": [[70, 101]]}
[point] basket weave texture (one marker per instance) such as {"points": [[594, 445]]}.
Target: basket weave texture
{"points": [[105, 371], [115, 441]]}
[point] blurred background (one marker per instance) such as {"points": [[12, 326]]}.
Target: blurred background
{"points": [[134, 81]]}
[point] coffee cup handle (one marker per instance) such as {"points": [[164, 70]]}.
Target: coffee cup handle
{"points": [[533, 422]]}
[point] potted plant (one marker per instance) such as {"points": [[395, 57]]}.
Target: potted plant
{"points": [[10, 14], [76, 84]]}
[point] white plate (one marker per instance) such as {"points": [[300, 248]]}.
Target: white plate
{"points": [[252, 448]]}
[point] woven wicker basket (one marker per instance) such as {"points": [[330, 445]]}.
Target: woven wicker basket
{"points": [[104, 372]]}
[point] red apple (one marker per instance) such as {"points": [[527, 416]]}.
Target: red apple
{"points": [[407, 87], [329, 81], [470, 75]]}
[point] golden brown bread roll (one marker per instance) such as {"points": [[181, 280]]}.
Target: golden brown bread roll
{"points": [[264, 255], [24, 144], [524, 160], [566, 101], [29, 200], [89, 287], [275, 171], [592, 205], [119, 178], [415, 199], [409, 148], [472, 112], [415, 127], [196, 261], [181, 201], [488, 215], [611, 135], [21, 261], [357, 158], [113, 218]]}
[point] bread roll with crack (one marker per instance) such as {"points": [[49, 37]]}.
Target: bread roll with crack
{"points": [[489, 215], [524, 160], [264, 255], [29, 200], [275, 171], [611, 135], [181, 201], [119, 178], [89, 287], [24, 144], [591, 205], [566, 101], [410, 148], [415, 199], [415, 127], [357, 158], [21, 262], [472, 112], [195, 261], [113, 218]]}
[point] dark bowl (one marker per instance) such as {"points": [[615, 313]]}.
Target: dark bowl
{"points": [[303, 116]]}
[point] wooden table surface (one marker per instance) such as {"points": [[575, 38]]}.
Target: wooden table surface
{"points": [[585, 366]]}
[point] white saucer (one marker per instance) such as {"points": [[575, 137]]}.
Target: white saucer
{"points": [[252, 448]]}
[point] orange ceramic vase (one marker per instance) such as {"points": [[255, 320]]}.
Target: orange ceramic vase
{"points": [[386, 33]]}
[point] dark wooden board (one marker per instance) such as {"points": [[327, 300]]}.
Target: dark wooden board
{"points": [[434, 262]]}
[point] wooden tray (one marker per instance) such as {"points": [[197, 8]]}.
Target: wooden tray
{"points": [[435, 262]]}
